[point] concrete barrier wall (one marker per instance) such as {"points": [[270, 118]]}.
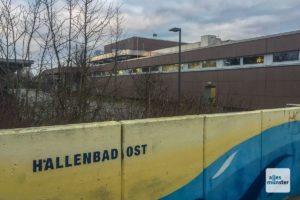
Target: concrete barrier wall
{"points": [[173, 157], [220, 156], [281, 146], [227, 154], [62, 162]]}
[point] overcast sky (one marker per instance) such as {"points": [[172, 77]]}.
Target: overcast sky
{"points": [[228, 19]]}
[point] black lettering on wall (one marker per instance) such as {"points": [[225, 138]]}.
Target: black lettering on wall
{"points": [[49, 164], [37, 165], [87, 158], [105, 155], [67, 162], [114, 154], [96, 156], [58, 166], [144, 148], [137, 150], [129, 151], [77, 159]]}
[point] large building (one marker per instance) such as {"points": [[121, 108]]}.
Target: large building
{"points": [[261, 72], [134, 47], [254, 73]]}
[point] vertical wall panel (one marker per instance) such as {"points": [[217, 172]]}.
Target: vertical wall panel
{"points": [[172, 164], [281, 146], [54, 162], [232, 149]]}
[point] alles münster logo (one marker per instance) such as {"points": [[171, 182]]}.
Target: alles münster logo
{"points": [[278, 180]]}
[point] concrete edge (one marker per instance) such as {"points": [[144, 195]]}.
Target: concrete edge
{"points": [[57, 128], [161, 119]]}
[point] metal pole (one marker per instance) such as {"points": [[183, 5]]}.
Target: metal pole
{"points": [[179, 67]]}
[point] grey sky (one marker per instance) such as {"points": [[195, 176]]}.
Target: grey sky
{"points": [[229, 19]]}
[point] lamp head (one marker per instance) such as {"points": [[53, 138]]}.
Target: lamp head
{"points": [[175, 29]]}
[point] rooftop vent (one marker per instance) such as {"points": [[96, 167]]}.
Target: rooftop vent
{"points": [[209, 40]]}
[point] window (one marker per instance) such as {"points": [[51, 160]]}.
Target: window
{"points": [[211, 63], [145, 69], [109, 73], [167, 68], [154, 69], [286, 56], [232, 61], [195, 65], [176, 67], [253, 60], [103, 73], [136, 70]]}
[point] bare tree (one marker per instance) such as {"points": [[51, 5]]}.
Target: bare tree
{"points": [[10, 34], [116, 33], [92, 19]]}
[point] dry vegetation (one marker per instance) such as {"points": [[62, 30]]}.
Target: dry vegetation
{"points": [[64, 34]]}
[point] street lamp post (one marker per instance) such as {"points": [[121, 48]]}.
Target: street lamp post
{"points": [[179, 59]]}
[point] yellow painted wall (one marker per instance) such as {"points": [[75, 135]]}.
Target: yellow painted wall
{"points": [[275, 117], [19, 147], [224, 131], [160, 155], [284, 119], [174, 156]]}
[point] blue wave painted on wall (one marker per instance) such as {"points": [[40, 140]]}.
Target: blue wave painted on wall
{"points": [[240, 172]]}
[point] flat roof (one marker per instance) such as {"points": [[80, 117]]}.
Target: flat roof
{"points": [[16, 61], [125, 52]]}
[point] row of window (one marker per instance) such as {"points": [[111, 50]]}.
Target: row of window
{"points": [[249, 60], [238, 61]]}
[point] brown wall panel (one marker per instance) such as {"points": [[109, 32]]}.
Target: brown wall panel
{"points": [[137, 43], [253, 88], [283, 43]]}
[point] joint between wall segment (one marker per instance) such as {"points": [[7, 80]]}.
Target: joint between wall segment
{"points": [[122, 161]]}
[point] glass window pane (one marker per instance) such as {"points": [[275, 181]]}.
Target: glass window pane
{"points": [[210, 63], [176, 67], [286, 56], [145, 69], [154, 69], [167, 68], [253, 60], [195, 65], [231, 61], [136, 70]]}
